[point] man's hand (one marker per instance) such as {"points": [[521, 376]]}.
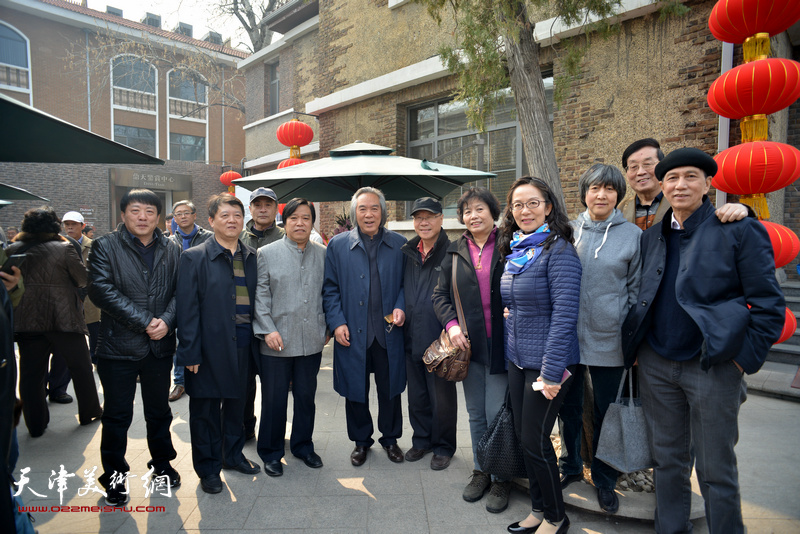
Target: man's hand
{"points": [[458, 338], [193, 368], [157, 329], [274, 341], [731, 212], [342, 335], [398, 317], [11, 280]]}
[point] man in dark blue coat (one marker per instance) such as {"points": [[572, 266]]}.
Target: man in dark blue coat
{"points": [[216, 291], [694, 337], [364, 304], [432, 402]]}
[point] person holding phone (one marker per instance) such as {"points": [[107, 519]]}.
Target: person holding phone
{"points": [[540, 288]]}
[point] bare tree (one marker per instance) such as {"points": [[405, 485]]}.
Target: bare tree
{"points": [[251, 16]]}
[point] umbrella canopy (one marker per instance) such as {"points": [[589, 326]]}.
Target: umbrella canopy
{"points": [[30, 135], [358, 165], [9, 192]]}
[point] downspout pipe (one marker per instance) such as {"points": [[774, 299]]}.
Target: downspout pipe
{"points": [[724, 123]]}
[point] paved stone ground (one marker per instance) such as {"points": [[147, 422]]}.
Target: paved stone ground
{"points": [[379, 497]]}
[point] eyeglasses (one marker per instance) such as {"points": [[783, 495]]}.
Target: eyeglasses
{"points": [[531, 204], [183, 214], [390, 320], [648, 166], [425, 219]]}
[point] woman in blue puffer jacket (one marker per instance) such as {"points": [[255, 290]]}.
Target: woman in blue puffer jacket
{"points": [[541, 290]]}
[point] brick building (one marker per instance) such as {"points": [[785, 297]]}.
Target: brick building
{"points": [[370, 71], [162, 92]]}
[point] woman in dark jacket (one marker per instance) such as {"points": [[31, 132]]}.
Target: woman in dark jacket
{"points": [[478, 271], [541, 291], [50, 314]]}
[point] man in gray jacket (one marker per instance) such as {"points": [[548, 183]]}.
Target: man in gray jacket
{"points": [[290, 323]]}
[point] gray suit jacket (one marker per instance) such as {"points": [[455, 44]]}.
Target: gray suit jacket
{"points": [[289, 297]]}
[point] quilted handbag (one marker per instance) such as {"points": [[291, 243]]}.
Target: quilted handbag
{"points": [[499, 450]]}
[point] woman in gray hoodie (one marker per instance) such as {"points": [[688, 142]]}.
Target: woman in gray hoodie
{"points": [[608, 246]]}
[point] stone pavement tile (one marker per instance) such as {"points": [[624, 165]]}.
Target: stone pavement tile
{"points": [[221, 511], [273, 512], [372, 482], [768, 501], [168, 521], [297, 481], [447, 508], [74, 523], [397, 514], [332, 512]]}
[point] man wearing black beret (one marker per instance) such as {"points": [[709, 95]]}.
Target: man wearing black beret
{"points": [[694, 337]]}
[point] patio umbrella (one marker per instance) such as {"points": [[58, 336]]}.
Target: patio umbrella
{"points": [[9, 192], [358, 165], [30, 135]]}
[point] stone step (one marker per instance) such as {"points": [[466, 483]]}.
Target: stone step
{"points": [[791, 289], [784, 353]]}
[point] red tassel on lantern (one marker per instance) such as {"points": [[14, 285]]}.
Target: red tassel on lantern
{"points": [[785, 244]]}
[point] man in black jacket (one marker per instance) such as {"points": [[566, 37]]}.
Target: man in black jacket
{"points": [[694, 337], [432, 403], [132, 279]]}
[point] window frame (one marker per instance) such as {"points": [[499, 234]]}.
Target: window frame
{"points": [[27, 70]]}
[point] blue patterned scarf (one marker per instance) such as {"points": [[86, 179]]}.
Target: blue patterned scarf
{"points": [[525, 248]]}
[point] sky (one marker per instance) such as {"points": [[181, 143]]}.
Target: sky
{"points": [[198, 13]]}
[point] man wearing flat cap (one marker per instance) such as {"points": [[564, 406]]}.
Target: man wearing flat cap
{"points": [[432, 403], [694, 337]]}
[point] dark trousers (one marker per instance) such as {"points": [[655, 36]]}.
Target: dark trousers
{"points": [[94, 335], [390, 410], [119, 384], [276, 374], [217, 433], [34, 356], [432, 408], [250, 402], [605, 383], [58, 377], [690, 410], [534, 417]]}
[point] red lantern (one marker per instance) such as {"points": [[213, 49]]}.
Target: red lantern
{"points": [[295, 133], [757, 167], [785, 244], [289, 162], [789, 326], [757, 88], [733, 21], [228, 177]]}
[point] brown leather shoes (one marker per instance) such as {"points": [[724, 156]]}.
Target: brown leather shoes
{"points": [[439, 462], [414, 454], [176, 393], [359, 455], [394, 453]]}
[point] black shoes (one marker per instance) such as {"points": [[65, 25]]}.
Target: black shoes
{"points": [[514, 527], [438, 462], [312, 460], [273, 468], [211, 484], [414, 454], [167, 471], [609, 502], [66, 398], [245, 466], [115, 495], [566, 480], [359, 455], [84, 422], [394, 453]]}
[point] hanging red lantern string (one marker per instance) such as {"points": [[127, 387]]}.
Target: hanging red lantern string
{"points": [[789, 326], [733, 21], [785, 244], [294, 134], [227, 179], [290, 162]]}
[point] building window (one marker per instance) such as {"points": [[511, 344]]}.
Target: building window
{"points": [[274, 88], [134, 81], [141, 139], [14, 59], [439, 132], [187, 147], [187, 86]]}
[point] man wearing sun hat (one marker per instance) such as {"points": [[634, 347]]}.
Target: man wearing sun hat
{"points": [[694, 337]]}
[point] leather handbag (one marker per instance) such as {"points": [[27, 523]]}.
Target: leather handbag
{"points": [[624, 442], [499, 451], [444, 358]]}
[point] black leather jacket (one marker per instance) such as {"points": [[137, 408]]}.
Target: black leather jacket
{"points": [[130, 296]]}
